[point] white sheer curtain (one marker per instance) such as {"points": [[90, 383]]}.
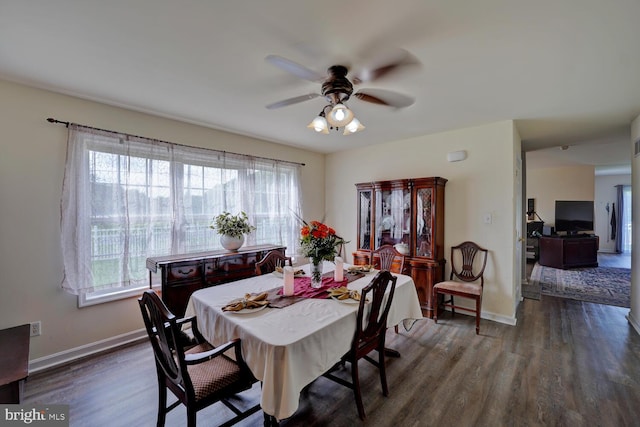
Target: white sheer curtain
{"points": [[128, 198]]}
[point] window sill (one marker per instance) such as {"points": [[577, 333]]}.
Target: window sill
{"points": [[87, 300]]}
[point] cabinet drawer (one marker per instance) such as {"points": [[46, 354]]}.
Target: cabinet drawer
{"points": [[233, 268], [184, 271]]}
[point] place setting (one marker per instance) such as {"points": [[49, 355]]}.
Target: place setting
{"points": [[279, 272], [344, 295], [251, 303]]}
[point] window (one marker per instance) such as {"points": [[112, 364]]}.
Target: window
{"points": [[127, 198]]}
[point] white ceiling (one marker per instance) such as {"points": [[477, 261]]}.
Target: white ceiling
{"points": [[568, 72]]}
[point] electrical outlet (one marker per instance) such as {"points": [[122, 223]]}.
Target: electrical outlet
{"points": [[36, 328]]}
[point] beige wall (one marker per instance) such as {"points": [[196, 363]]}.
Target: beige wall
{"points": [[546, 185], [31, 172], [481, 184]]}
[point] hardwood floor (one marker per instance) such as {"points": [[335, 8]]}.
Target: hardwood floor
{"points": [[614, 260], [566, 363]]}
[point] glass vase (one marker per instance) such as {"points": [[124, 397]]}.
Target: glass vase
{"points": [[315, 267]]}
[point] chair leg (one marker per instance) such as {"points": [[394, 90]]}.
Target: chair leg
{"points": [[453, 309], [383, 371], [355, 378], [436, 306], [162, 404], [477, 316], [191, 417]]}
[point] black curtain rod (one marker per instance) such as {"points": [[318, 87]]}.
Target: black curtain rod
{"points": [[52, 120]]}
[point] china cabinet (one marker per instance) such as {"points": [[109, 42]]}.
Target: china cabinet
{"points": [[409, 214]]}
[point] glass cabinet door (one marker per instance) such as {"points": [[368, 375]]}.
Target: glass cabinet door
{"points": [[424, 235], [393, 217], [364, 219]]}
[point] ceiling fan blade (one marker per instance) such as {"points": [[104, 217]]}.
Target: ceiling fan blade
{"points": [[295, 68], [385, 97], [294, 100], [388, 63]]}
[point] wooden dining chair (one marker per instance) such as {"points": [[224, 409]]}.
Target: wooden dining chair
{"points": [[386, 257], [469, 273], [199, 376], [270, 261], [370, 335]]}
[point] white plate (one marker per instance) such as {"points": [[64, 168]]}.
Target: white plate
{"points": [[247, 310], [357, 270], [346, 301], [278, 274]]}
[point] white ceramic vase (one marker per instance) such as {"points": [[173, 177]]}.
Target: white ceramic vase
{"points": [[231, 243]]}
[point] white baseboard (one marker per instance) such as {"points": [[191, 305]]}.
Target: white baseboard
{"points": [[607, 251], [70, 355], [511, 321], [634, 322], [507, 320]]}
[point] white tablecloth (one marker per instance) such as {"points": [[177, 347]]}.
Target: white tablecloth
{"points": [[287, 348]]}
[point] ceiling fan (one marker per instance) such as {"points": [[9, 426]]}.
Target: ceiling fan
{"points": [[337, 89]]}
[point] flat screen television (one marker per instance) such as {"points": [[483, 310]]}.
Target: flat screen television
{"points": [[574, 216]]}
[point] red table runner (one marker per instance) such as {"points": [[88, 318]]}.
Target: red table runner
{"points": [[302, 289]]}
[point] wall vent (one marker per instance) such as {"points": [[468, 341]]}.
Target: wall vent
{"points": [[636, 148]]}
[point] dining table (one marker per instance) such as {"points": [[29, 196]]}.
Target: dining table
{"points": [[290, 345]]}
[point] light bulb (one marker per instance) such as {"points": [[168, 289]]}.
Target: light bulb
{"points": [[319, 124], [339, 116], [353, 127]]}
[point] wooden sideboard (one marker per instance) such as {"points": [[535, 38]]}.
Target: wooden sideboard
{"points": [[186, 273], [14, 362], [568, 252]]}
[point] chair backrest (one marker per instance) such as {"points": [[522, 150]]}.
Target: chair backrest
{"points": [[164, 334], [383, 259], [270, 261], [371, 327], [464, 264]]}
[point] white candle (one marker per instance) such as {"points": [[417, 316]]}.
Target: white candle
{"points": [[287, 287], [338, 274]]}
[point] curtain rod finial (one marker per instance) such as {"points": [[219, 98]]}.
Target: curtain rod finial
{"points": [[52, 120]]}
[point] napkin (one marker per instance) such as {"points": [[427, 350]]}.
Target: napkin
{"points": [[299, 272], [249, 301], [342, 293], [354, 269]]}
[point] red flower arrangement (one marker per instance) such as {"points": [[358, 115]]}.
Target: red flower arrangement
{"points": [[319, 241]]}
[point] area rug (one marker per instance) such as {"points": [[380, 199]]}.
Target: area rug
{"points": [[603, 285]]}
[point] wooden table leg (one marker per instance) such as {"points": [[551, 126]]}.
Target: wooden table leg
{"points": [[270, 420]]}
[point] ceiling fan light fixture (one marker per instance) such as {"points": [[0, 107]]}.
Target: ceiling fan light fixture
{"points": [[319, 124], [340, 115], [353, 127]]}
